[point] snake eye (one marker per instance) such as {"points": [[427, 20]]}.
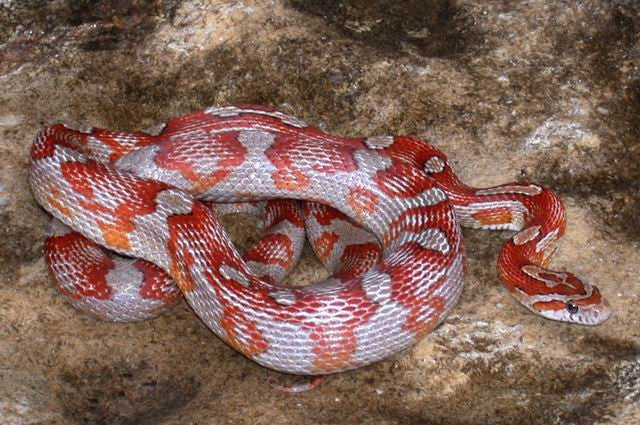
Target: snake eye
{"points": [[572, 308]]}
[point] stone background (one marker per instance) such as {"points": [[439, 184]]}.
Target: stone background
{"points": [[546, 90]]}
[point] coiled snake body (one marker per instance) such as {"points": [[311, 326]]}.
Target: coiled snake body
{"points": [[383, 213]]}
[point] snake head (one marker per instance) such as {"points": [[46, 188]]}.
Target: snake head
{"points": [[568, 298], [561, 296]]}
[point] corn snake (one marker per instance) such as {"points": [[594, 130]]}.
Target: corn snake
{"points": [[383, 213]]}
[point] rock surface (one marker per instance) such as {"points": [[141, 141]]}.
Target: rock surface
{"points": [[546, 90]]}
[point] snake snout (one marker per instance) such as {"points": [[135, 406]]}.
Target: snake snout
{"points": [[594, 314]]}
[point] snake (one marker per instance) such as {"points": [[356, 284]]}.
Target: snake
{"points": [[383, 213]]}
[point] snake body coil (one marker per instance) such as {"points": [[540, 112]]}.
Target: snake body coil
{"points": [[383, 213]]}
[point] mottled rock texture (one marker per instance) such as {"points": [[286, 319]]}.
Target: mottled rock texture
{"points": [[546, 90]]}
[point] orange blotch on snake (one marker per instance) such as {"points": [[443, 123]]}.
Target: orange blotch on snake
{"points": [[334, 353], [292, 180], [324, 244], [114, 235], [495, 216], [58, 206], [548, 305], [185, 284], [210, 180], [362, 201], [242, 334]]}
